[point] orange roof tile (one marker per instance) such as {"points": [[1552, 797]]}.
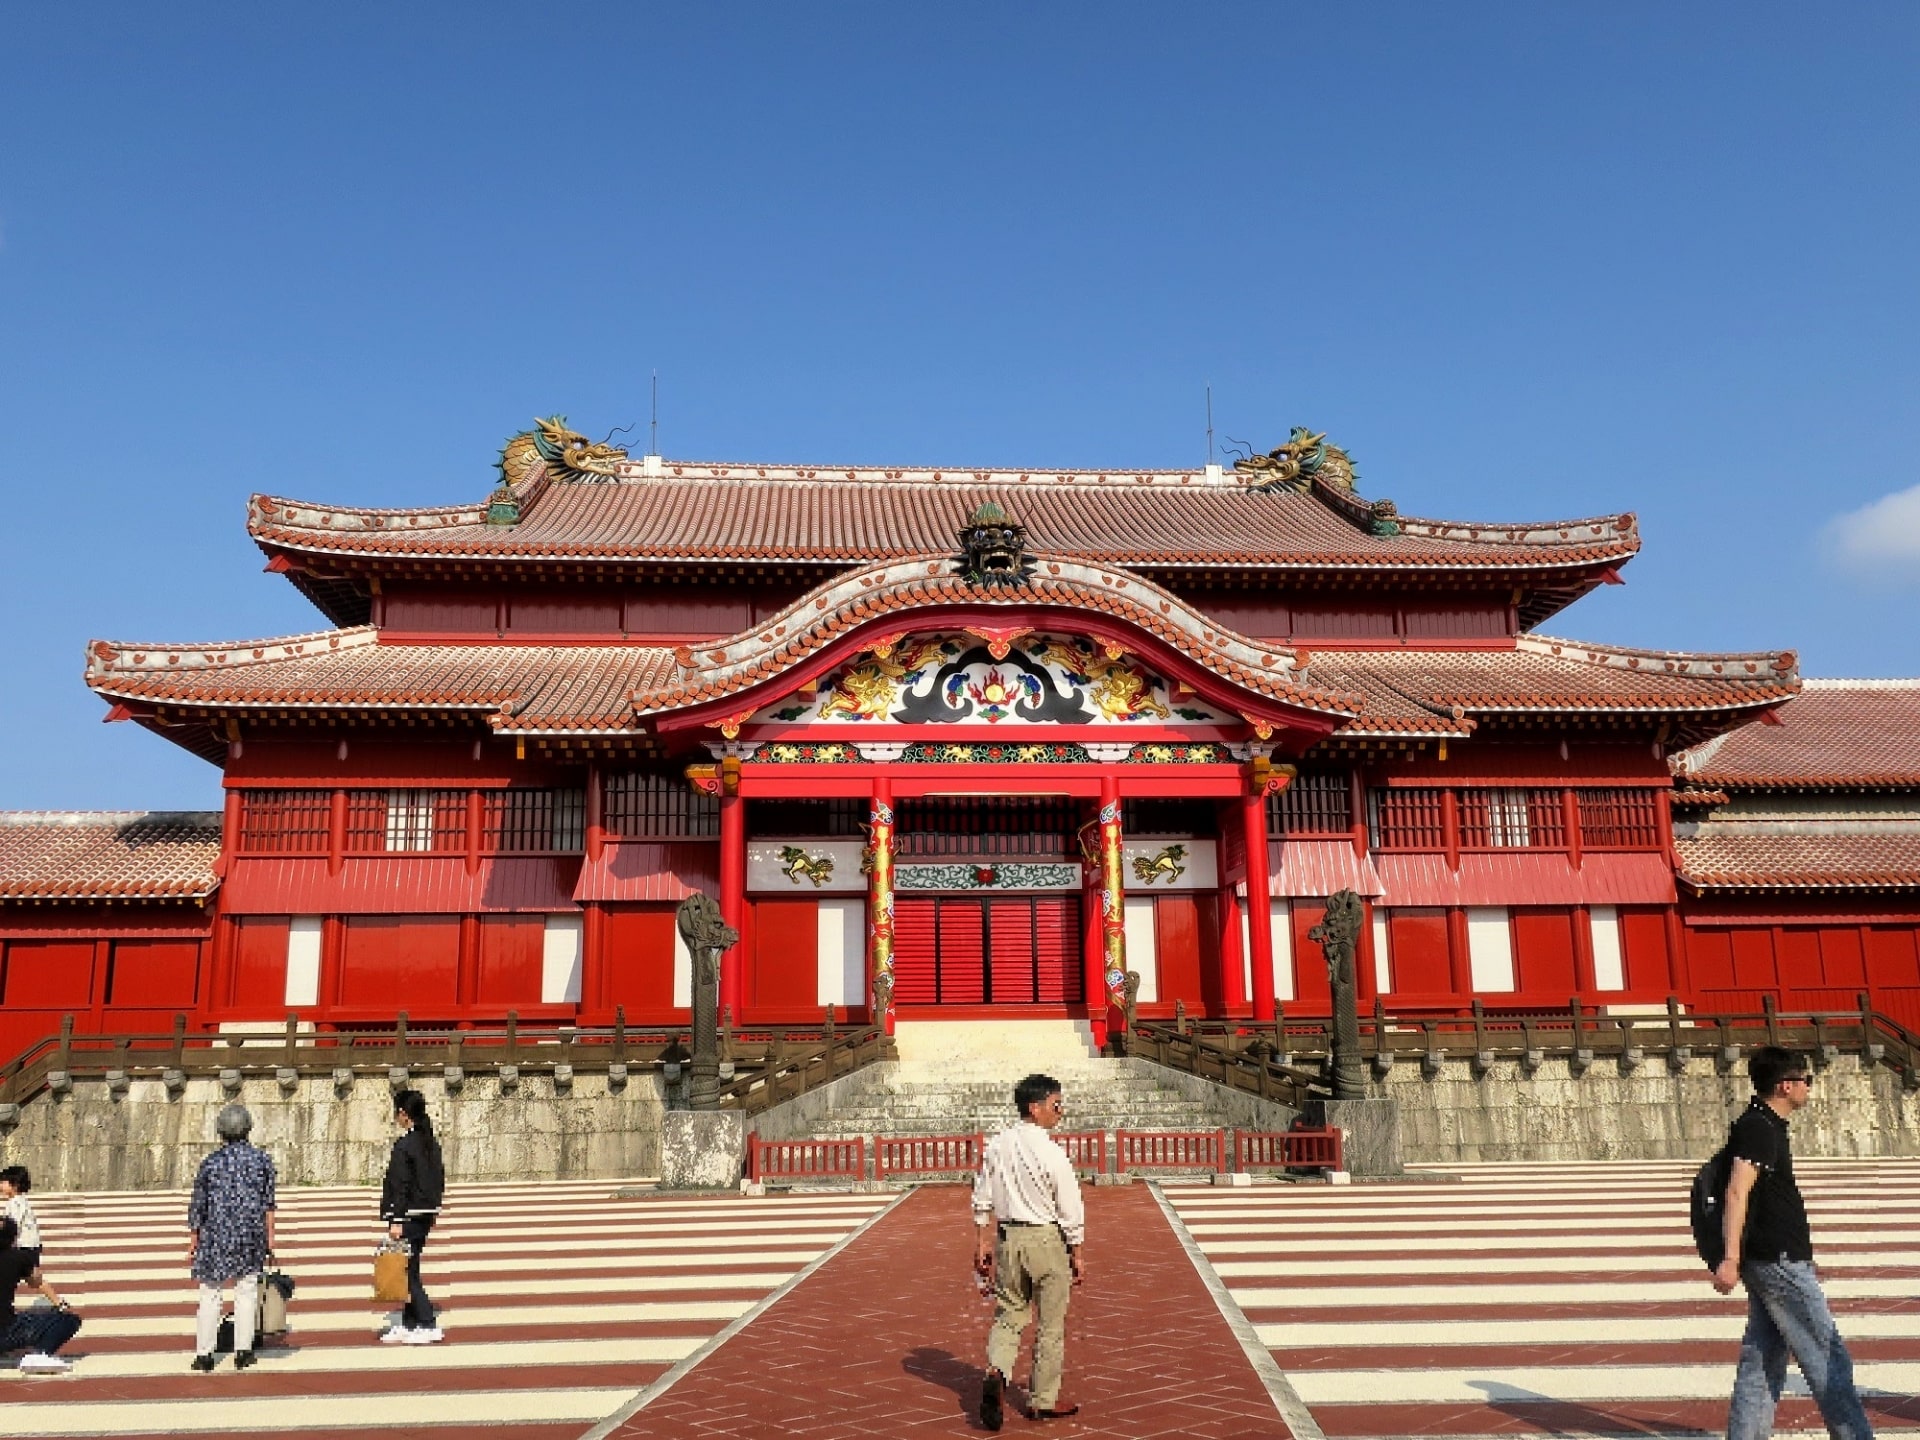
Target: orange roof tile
{"points": [[1838, 734], [1872, 861], [1443, 691], [108, 854], [524, 687], [847, 515]]}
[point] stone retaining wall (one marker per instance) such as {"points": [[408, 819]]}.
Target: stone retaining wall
{"points": [[1650, 1113], [144, 1139]]}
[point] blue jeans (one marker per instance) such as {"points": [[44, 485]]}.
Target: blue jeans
{"points": [[40, 1332], [1786, 1311]]}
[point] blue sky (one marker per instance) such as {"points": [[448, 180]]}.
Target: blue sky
{"points": [[1524, 262]]}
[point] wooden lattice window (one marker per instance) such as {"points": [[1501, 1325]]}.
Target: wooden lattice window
{"points": [[1512, 818], [1155, 816], [1411, 819], [1317, 802], [838, 818], [284, 822], [1620, 818], [642, 804], [406, 821], [536, 822], [987, 825]]}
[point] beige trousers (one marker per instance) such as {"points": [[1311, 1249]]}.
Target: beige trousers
{"points": [[246, 1310], [1032, 1279]]}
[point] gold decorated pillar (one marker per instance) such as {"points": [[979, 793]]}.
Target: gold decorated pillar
{"points": [[1111, 1017], [879, 867]]}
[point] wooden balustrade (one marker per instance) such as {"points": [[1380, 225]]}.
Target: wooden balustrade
{"points": [[770, 1063], [1265, 1059]]}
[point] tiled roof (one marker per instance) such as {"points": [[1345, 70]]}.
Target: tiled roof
{"points": [[846, 515], [1839, 733], [1885, 861], [108, 854], [597, 688], [524, 687], [892, 594], [1443, 691]]}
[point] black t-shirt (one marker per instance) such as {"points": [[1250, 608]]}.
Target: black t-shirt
{"points": [[1776, 1215], [15, 1266]]}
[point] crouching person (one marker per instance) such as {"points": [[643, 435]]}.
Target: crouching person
{"points": [[40, 1333]]}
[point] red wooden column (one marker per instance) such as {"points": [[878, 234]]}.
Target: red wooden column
{"points": [[880, 904], [593, 960], [1253, 817], [733, 893]]}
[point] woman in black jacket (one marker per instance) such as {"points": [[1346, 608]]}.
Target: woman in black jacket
{"points": [[409, 1203]]}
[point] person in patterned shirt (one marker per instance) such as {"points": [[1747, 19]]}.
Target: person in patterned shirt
{"points": [[231, 1220]]}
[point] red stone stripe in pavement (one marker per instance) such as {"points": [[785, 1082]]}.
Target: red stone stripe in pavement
{"points": [[887, 1338]]}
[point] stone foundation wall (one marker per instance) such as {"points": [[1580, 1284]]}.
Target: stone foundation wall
{"points": [[1650, 1113], [144, 1139]]}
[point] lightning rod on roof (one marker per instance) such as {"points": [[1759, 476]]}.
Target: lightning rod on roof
{"points": [[650, 462], [1209, 422]]}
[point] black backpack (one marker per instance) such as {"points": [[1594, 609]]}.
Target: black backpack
{"points": [[1706, 1209]]}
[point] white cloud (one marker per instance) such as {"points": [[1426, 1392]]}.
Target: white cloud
{"points": [[1882, 537]]}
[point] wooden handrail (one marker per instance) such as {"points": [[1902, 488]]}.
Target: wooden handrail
{"points": [[801, 1056]]}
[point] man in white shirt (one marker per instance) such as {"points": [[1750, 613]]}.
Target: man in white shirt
{"points": [[1027, 1196]]}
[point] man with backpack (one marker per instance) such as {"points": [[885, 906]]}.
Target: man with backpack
{"points": [[1764, 1243]]}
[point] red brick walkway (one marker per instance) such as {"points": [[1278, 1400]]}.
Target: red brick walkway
{"points": [[886, 1339]]}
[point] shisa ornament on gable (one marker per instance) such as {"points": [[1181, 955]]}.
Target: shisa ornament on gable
{"points": [[566, 454], [993, 548]]}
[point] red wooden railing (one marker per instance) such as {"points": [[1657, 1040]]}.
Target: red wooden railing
{"points": [[1307, 1148], [1087, 1149], [926, 1154], [806, 1159], [1170, 1150]]}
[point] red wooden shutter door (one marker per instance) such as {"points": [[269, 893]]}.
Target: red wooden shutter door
{"points": [[511, 949], [914, 941], [786, 959], [1011, 951], [1056, 937], [638, 941], [963, 952]]}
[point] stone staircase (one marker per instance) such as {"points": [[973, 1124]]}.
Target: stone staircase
{"points": [[957, 1079], [901, 1099]]}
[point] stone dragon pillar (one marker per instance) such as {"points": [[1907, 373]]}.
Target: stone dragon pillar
{"points": [[1338, 936], [705, 935]]}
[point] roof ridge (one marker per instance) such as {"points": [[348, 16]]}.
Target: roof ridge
{"points": [[1912, 683], [113, 656], [272, 510], [78, 817], [1679, 662]]}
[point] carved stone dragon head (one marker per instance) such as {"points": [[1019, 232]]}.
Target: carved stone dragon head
{"points": [[565, 452], [1293, 463], [993, 548]]}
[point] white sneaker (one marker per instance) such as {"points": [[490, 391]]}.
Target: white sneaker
{"points": [[45, 1364], [396, 1336], [425, 1337]]}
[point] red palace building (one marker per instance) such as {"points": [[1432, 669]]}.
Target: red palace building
{"points": [[955, 743]]}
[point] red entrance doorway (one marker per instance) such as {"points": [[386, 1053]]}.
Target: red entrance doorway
{"points": [[987, 950]]}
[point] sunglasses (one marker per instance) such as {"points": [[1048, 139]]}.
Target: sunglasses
{"points": [[1796, 1079]]}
